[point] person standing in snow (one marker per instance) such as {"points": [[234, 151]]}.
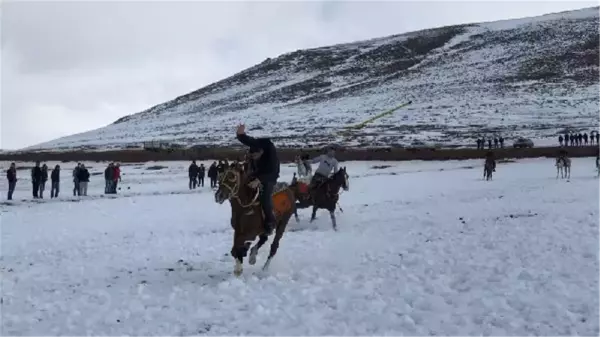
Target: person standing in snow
{"points": [[55, 182], [43, 180], [84, 179], [212, 175], [76, 190], [116, 177], [36, 179], [193, 175], [201, 174], [108, 178], [598, 163], [11, 176]]}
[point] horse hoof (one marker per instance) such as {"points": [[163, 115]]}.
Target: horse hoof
{"points": [[237, 273]]}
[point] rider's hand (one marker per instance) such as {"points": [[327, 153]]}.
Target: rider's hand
{"points": [[254, 183], [241, 129]]}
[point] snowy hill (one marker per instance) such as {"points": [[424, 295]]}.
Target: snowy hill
{"points": [[528, 77]]}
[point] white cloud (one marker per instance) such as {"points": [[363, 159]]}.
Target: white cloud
{"points": [[68, 67]]}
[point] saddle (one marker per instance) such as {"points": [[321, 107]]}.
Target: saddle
{"points": [[281, 202]]}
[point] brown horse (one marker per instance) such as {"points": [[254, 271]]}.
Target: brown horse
{"points": [[324, 196], [247, 218]]}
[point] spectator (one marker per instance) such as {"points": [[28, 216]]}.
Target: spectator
{"points": [[201, 174], [213, 174], [597, 138], [108, 178], [84, 179], [489, 143], [566, 139], [560, 140], [193, 175], [11, 176], [116, 177], [495, 142], [478, 143], [579, 139], [501, 142], [585, 138], [43, 181], [55, 182], [76, 190], [36, 179]]}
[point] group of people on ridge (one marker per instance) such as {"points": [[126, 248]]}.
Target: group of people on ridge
{"points": [[578, 139]]}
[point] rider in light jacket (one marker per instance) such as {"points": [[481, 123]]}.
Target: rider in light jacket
{"points": [[327, 165]]}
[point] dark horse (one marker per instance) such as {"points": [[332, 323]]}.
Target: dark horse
{"points": [[325, 195], [247, 217]]}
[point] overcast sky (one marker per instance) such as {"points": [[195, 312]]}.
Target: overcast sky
{"points": [[69, 67]]}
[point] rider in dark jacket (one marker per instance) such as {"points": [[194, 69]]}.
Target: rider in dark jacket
{"points": [[265, 170]]}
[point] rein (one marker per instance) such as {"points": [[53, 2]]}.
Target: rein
{"points": [[234, 191]]}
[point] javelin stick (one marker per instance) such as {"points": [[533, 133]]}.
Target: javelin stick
{"points": [[383, 114]]}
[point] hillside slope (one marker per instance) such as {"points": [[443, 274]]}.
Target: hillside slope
{"points": [[527, 77]]}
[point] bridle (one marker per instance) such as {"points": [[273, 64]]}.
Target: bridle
{"points": [[234, 191]]}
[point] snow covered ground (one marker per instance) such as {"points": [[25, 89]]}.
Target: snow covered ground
{"points": [[424, 248]]}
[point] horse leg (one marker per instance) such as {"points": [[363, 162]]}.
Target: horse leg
{"points": [[238, 254], [314, 213], [275, 245], [557, 170], [254, 251], [296, 212], [238, 267], [333, 220]]}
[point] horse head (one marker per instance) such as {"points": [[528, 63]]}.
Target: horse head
{"points": [[341, 179], [229, 184]]}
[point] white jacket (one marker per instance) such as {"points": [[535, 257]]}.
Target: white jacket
{"points": [[327, 164]]}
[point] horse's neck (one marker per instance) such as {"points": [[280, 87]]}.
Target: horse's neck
{"points": [[245, 197], [334, 186]]}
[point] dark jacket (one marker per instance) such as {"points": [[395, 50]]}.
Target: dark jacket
{"points": [[212, 171], [11, 175], [109, 173], [193, 170], [201, 171], [44, 174], [83, 175], [55, 176], [36, 174], [266, 169]]}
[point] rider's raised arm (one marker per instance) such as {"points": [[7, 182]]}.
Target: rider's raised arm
{"points": [[316, 159], [249, 141]]}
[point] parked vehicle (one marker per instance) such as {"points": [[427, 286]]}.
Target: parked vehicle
{"points": [[523, 143]]}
